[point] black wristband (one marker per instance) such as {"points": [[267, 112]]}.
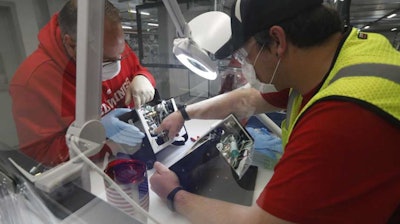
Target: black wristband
{"points": [[171, 197], [185, 115]]}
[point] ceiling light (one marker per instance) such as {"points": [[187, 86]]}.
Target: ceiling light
{"points": [[126, 27], [141, 13], [392, 15], [367, 27], [393, 29], [152, 24]]}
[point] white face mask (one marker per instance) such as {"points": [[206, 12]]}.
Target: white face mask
{"points": [[110, 70], [251, 77]]}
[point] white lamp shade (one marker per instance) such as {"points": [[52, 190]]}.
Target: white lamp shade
{"points": [[211, 30]]}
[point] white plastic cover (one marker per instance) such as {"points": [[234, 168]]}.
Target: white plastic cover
{"points": [[211, 30]]}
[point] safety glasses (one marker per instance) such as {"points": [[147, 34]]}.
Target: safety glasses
{"points": [[108, 62], [240, 55]]}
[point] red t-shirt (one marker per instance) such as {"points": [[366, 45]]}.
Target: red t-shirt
{"points": [[43, 95], [341, 165]]}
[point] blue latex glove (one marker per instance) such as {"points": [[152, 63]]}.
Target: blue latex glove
{"points": [[120, 131], [263, 140]]}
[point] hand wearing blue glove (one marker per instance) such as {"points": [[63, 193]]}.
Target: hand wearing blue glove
{"points": [[264, 140], [267, 148], [120, 131]]}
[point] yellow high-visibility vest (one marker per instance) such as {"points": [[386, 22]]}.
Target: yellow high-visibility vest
{"points": [[366, 72]]}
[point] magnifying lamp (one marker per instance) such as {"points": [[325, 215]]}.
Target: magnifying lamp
{"points": [[196, 40]]}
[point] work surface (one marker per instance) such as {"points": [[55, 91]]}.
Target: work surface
{"points": [[158, 208]]}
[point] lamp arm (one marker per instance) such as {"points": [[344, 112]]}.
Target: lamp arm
{"points": [[88, 67], [88, 64], [182, 28]]}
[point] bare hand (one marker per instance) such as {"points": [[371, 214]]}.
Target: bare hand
{"points": [[172, 123], [163, 181]]}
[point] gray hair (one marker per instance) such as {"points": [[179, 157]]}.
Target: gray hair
{"points": [[68, 16]]}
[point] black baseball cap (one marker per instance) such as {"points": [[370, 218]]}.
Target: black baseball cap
{"points": [[249, 17]]}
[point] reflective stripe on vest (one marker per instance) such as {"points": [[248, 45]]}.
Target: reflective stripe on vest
{"points": [[390, 72]]}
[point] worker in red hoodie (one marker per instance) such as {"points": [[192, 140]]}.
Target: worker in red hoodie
{"points": [[43, 88]]}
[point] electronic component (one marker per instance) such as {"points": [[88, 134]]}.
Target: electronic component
{"points": [[151, 117]]}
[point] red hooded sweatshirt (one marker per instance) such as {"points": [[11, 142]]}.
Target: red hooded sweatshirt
{"points": [[43, 95]]}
